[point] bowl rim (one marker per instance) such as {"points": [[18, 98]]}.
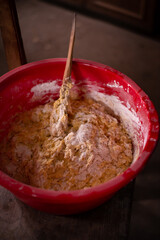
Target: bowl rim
{"points": [[112, 185]]}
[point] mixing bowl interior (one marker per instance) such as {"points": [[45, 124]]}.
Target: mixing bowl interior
{"points": [[39, 82]]}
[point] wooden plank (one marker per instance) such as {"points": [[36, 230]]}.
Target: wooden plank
{"points": [[120, 8], [108, 221], [11, 34], [137, 14]]}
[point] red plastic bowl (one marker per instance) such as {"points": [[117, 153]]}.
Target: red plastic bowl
{"points": [[15, 92]]}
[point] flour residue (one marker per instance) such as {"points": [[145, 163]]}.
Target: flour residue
{"points": [[40, 90], [115, 84]]}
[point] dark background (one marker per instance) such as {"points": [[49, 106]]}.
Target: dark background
{"points": [[121, 34]]}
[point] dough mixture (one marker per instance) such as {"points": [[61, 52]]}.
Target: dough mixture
{"points": [[74, 145]]}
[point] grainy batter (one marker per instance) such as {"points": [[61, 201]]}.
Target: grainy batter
{"points": [[67, 147]]}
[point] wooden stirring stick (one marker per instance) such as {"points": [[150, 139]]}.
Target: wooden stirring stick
{"points": [[62, 106], [68, 67]]}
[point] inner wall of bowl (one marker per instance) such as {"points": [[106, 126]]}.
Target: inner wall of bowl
{"points": [[41, 84]]}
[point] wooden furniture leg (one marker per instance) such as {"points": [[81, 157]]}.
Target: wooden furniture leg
{"points": [[11, 34]]}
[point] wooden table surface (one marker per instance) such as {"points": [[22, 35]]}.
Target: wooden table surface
{"points": [[109, 221]]}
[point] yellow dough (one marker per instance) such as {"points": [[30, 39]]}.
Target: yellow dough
{"points": [[74, 145]]}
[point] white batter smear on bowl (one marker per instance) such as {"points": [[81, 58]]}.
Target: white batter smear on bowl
{"points": [[69, 147], [40, 90]]}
